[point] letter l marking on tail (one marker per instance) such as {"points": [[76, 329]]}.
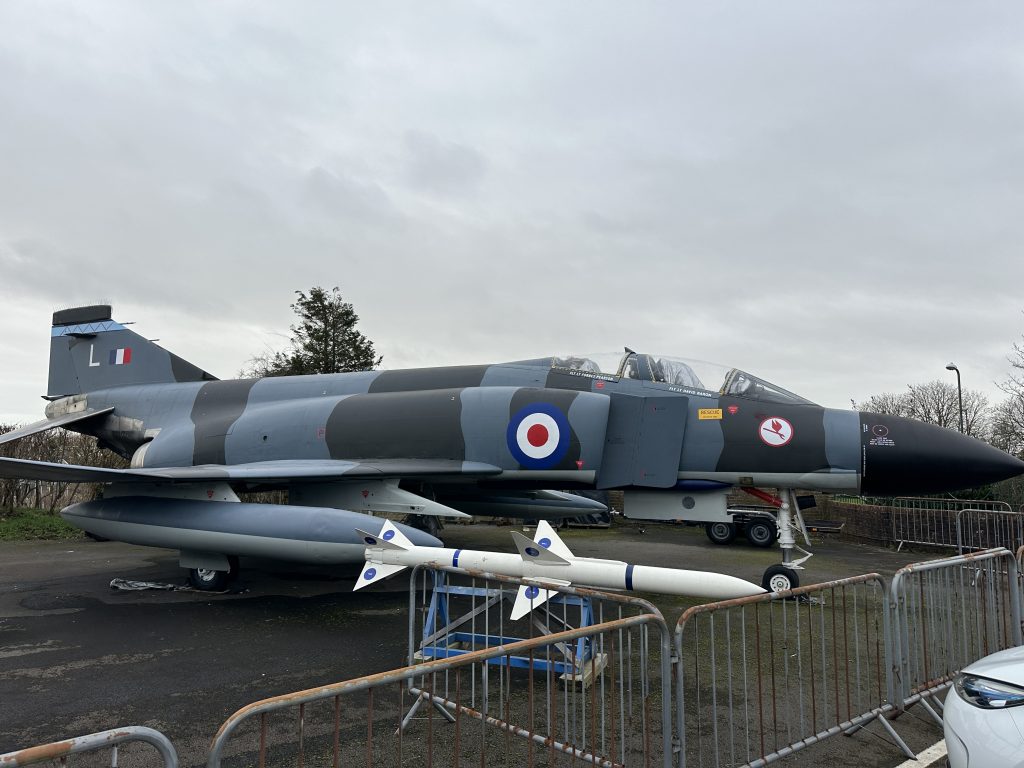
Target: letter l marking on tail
{"points": [[92, 363]]}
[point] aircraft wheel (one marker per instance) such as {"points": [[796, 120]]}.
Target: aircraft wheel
{"points": [[779, 578], [761, 533], [721, 533], [209, 580], [426, 523]]}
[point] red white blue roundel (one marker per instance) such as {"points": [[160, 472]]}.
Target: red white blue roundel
{"points": [[538, 436]]}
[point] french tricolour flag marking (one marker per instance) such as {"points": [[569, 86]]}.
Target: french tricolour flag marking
{"points": [[121, 356]]}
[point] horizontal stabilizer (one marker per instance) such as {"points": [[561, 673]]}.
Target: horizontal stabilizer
{"points": [[47, 424], [536, 552], [374, 572]]}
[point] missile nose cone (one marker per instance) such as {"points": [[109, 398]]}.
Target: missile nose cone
{"points": [[904, 457]]}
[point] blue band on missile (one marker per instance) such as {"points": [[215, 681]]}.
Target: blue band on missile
{"points": [[629, 577], [455, 558]]}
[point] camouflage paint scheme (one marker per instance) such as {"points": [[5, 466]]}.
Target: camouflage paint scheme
{"points": [[533, 424]]}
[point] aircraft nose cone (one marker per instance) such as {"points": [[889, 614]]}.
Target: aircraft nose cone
{"points": [[905, 457]]}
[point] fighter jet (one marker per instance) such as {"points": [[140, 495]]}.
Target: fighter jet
{"points": [[676, 436]]}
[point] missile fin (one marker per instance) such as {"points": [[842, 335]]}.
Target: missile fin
{"points": [[378, 540], [530, 597], [534, 552], [374, 572], [551, 541], [388, 538]]}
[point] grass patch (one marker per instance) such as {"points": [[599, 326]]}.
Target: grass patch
{"points": [[29, 524]]}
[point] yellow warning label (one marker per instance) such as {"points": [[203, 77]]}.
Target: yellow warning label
{"points": [[709, 413]]}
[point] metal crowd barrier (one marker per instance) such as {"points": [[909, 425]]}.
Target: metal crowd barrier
{"points": [[978, 529], [589, 676], [947, 614], [933, 522], [598, 694], [93, 742], [759, 678]]}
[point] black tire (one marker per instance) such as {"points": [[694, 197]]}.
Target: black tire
{"points": [[761, 532], [426, 523], [207, 580], [720, 533], [779, 578], [95, 537]]}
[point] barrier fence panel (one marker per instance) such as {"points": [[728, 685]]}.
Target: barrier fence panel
{"points": [[106, 741], [485, 692], [978, 529], [933, 522], [949, 613], [761, 677]]}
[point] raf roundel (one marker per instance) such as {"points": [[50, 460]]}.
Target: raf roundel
{"points": [[538, 436]]}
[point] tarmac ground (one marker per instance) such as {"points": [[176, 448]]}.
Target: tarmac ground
{"points": [[77, 656]]}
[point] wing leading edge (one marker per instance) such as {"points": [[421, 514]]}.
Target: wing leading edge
{"points": [[259, 472]]}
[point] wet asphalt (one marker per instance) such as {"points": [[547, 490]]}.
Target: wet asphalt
{"points": [[77, 656]]}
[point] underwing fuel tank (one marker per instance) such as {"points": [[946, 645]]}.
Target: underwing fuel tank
{"points": [[548, 560], [282, 532]]}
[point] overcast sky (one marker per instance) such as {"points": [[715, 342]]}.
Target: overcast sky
{"points": [[829, 195]]}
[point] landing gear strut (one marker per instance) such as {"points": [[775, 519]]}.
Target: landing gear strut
{"points": [[783, 577]]}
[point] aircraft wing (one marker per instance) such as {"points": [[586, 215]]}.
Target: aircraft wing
{"points": [[258, 472], [46, 424]]}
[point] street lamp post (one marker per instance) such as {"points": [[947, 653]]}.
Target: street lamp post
{"points": [[959, 394]]}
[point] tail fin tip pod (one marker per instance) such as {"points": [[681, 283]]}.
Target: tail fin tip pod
{"points": [[89, 350]]}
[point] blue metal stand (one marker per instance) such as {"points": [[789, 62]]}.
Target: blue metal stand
{"points": [[440, 638]]}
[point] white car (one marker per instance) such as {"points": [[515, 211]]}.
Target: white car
{"points": [[983, 718]]}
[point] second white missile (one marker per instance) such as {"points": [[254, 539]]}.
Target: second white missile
{"points": [[546, 558]]}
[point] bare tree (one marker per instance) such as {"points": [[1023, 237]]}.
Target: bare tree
{"points": [[889, 403], [935, 402], [57, 446]]}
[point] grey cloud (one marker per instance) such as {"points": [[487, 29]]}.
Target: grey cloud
{"points": [[443, 167]]}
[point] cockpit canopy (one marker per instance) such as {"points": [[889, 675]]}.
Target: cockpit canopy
{"points": [[695, 375]]}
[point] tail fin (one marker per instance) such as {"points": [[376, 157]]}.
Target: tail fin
{"points": [[89, 351], [388, 538]]}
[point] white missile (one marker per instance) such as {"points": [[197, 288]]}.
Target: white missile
{"points": [[545, 559]]}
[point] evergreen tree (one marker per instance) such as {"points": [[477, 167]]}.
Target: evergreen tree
{"points": [[324, 340]]}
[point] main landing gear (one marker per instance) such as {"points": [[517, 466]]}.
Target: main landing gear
{"points": [[426, 523], [209, 580]]}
